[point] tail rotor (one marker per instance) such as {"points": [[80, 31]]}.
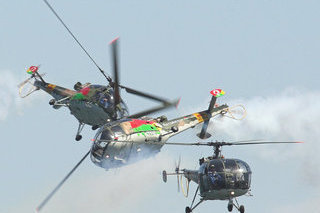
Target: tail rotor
{"points": [[27, 86], [236, 112], [179, 173]]}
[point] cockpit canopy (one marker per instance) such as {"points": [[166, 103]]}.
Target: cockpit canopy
{"points": [[225, 174], [104, 97]]}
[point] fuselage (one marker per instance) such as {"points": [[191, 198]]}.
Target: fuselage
{"points": [[221, 179], [92, 105], [128, 140]]}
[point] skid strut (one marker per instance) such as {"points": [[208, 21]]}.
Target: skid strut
{"points": [[80, 128], [190, 209]]}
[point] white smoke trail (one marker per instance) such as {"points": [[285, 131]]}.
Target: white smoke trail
{"points": [[292, 115], [9, 93]]}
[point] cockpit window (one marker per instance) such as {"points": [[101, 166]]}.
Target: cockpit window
{"points": [[106, 135], [216, 165], [117, 130], [95, 86], [242, 167], [230, 165], [106, 99]]}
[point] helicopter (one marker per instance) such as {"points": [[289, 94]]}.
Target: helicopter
{"points": [[218, 178], [128, 140], [91, 104]]}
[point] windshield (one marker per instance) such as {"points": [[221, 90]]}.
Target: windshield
{"points": [[216, 165], [106, 135], [104, 96], [224, 173], [106, 99]]}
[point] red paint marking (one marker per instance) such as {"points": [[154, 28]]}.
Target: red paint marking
{"points": [[33, 69], [114, 40], [215, 92], [136, 123], [85, 90]]}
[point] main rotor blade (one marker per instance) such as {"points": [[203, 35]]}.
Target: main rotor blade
{"points": [[61, 183], [115, 83], [266, 142], [73, 36], [155, 109], [143, 94], [206, 143], [230, 144]]}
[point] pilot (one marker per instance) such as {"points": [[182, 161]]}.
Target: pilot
{"points": [[104, 102], [214, 177]]}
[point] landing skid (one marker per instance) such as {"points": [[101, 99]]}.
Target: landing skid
{"points": [[80, 128], [94, 127], [190, 209], [231, 204]]}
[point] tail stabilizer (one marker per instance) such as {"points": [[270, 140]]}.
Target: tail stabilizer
{"points": [[215, 94]]}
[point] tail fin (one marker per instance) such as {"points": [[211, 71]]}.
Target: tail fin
{"points": [[33, 70], [215, 94]]}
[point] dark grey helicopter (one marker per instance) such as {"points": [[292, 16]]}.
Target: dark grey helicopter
{"points": [[218, 178]]}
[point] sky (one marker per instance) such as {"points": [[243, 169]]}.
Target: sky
{"points": [[264, 54]]}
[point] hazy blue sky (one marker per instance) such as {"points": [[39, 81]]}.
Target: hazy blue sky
{"points": [[264, 54]]}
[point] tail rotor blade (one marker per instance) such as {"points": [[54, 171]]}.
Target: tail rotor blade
{"points": [[44, 202], [177, 172], [24, 82], [178, 183]]}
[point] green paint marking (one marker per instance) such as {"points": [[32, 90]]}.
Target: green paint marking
{"points": [[145, 128], [78, 96]]}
